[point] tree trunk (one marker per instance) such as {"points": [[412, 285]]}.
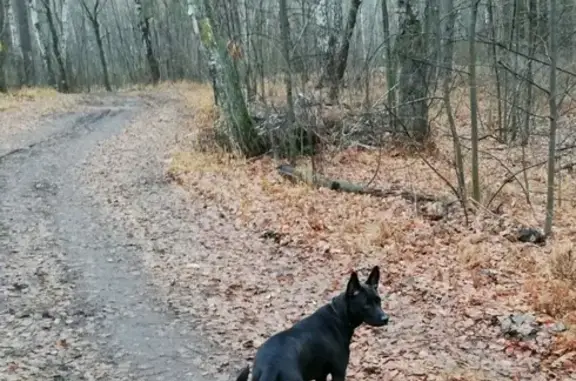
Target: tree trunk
{"points": [[448, 53], [530, 50], [390, 65], [240, 129], [32, 6], [100, 44], [285, 33], [193, 14], [474, 100], [431, 23], [329, 21], [21, 11], [493, 35], [342, 57], [3, 45], [412, 83], [92, 15], [64, 17], [553, 120], [147, 38], [63, 85]]}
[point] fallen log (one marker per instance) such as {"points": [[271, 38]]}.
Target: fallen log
{"points": [[314, 179]]}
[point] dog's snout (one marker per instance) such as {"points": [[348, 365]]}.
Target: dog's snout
{"points": [[384, 318]]}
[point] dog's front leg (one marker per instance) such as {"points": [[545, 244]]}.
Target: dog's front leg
{"points": [[339, 374]]}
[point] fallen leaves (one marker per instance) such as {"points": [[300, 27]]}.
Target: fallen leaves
{"points": [[443, 282], [62, 344], [458, 275]]}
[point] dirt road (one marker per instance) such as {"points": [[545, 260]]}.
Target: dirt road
{"points": [[75, 301]]}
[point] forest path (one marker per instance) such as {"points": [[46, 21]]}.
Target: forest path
{"points": [[75, 300]]}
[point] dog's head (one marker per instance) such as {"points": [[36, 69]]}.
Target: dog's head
{"points": [[363, 300]]}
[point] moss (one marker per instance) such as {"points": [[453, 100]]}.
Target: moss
{"points": [[206, 35]]}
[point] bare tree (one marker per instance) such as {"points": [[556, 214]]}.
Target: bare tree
{"points": [[285, 33], [448, 52], [390, 63], [23, 19], [92, 14], [412, 82], [3, 45], [473, 99], [342, 55], [63, 84], [145, 16], [329, 20], [553, 119], [33, 7]]}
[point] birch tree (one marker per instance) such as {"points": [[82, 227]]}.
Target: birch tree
{"points": [[33, 7], [64, 28], [329, 21]]}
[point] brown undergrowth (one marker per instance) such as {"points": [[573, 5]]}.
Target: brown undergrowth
{"points": [[447, 283]]}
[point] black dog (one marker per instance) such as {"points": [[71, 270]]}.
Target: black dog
{"points": [[319, 344]]}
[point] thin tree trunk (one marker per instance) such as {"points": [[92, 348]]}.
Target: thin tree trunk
{"points": [[474, 100], [100, 44], [93, 15], [553, 120], [285, 33], [390, 65], [493, 35], [528, 106], [448, 52]]}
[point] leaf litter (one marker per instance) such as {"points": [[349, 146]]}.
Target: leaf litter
{"points": [[266, 253], [450, 288]]}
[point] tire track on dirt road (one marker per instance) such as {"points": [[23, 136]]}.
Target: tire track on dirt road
{"points": [[74, 303]]}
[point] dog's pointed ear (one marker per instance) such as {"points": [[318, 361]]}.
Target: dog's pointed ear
{"points": [[374, 277], [353, 287]]}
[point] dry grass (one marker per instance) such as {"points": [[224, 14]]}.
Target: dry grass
{"points": [[44, 97], [563, 263]]}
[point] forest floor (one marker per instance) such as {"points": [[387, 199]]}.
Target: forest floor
{"points": [[128, 253]]}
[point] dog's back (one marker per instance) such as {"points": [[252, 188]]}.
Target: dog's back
{"points": [[304, 351]]}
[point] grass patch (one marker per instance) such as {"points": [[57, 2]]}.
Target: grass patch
{"points": [[16, 99]]}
